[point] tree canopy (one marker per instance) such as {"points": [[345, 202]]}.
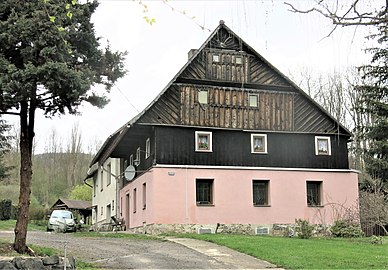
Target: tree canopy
{"points": [[50, 59]]}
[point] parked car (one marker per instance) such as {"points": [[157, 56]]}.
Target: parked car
{"points": [[61, 220]]}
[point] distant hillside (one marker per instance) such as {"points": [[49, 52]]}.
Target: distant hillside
{"points": [[54, 176]]}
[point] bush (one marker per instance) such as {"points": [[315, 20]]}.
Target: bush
{"points": [[346, 229], [38, 213], [5, 209], [304, 228]]}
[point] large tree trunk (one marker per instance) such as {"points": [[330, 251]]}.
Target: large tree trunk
{"points": [[26, 137]]}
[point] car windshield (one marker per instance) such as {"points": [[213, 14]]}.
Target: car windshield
{"points": [[62, 215]]}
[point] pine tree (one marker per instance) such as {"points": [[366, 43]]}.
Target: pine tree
{"points": [[49, 59], [375, 103]]}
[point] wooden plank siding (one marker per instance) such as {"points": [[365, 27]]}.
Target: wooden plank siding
{"points": [[229, 108], [176, 145], [308, 118]]}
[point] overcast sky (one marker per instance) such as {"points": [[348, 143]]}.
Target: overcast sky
{"points": [[156, 53]]}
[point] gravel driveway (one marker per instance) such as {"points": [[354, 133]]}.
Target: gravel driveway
{"points": [[124, 253]]}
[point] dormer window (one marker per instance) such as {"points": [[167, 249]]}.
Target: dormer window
{"points": [[202, 97], [216, 58]]}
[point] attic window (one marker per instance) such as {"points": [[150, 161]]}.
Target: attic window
{"points": [[254, 100], [322, 146], [259, 144], [239, 60], [203, 141], [216, 58], [202, 96]]}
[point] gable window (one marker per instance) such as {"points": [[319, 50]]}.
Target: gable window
{"points": [[253, 100], [239, 60], [314, 193], [322, 146], [216, 58], [203, 141], [260, 192], [259, 143], [203, 96], [204, 191], [148, 148]]}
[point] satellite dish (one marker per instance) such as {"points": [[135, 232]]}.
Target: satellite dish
{"points": [[129, 173]]}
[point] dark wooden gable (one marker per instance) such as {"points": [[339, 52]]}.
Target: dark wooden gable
{"points": [[231, 71], [229, 79]]}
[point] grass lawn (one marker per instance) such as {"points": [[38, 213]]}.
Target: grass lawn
{"points": [[314, 253], [9, 225]]}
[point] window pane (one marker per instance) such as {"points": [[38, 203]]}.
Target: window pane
{"points": [[253, 100], [204, 191], [313, 193], [238, 60], [202, 97], [216, 58], [260, 192], [258, 143]]}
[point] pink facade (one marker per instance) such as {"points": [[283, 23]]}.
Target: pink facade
{"points": [[167, 195]]}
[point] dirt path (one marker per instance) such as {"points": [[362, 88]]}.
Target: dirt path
{"points": [[121, 253]]}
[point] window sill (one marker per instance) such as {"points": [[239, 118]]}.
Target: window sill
{"points": [[202, 204], [258, 205], [260, 153], [315, 206]]}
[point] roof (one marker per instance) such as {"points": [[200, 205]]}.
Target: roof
{"points": [[72, 204], [113, 140]]}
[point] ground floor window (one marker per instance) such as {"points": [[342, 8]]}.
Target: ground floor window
{"points": [[204, 191], [314, 193], [260, 192]]}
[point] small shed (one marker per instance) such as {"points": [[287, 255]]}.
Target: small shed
{"points": [[84, 208]]}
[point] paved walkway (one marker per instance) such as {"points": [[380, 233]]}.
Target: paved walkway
{"points": [[228, 256]]}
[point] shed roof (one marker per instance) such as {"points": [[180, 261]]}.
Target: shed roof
{"points": [[72, 204]]}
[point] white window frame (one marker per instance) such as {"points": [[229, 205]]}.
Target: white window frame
{"points": [[257, 100], [241, 60], [216, 58], [317, 152], [148, 148], [203, 96], [131, 160], [264, 136], [203, 133], [138, 156]]}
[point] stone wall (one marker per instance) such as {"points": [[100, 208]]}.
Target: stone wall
{"points": [[248, 229], [46, 263]]}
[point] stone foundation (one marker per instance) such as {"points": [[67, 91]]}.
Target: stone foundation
{"points": [[247, 229], [47, 263]]}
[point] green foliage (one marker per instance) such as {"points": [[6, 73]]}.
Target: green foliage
{"points": [[346, 229], [376, 240], [82, 193], [304, 228], [375, 103], [38, 213], [5, 209], [295, 253]]}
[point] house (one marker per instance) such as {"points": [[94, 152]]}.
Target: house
{"points": [[231, 144]]}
